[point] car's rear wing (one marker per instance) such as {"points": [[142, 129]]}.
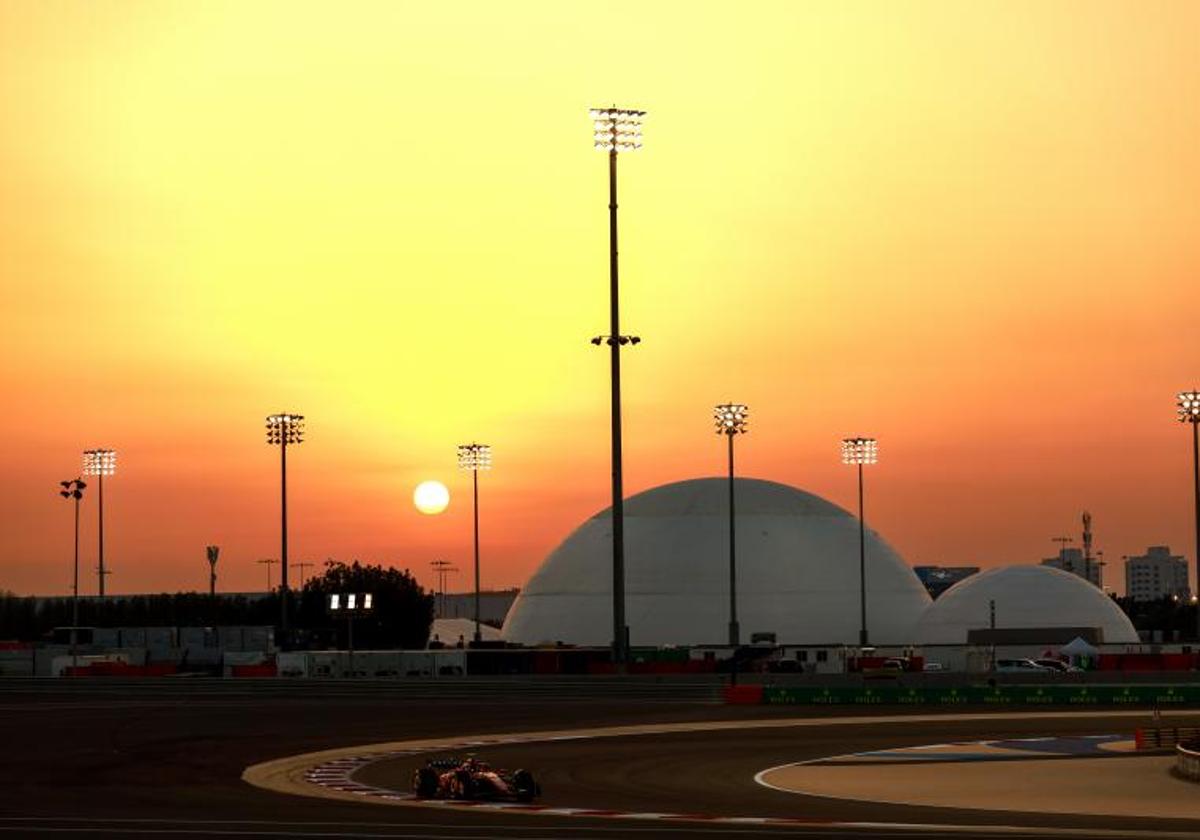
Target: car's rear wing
{"points": [[443, 763]]}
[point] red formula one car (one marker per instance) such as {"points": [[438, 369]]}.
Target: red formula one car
{"points": [[452, 778]]}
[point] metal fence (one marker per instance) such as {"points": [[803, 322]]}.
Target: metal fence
{"points": [[983, 695]]}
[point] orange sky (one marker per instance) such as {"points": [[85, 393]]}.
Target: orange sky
{"points": [[968, 229]]}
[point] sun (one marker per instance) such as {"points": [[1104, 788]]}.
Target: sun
{"points": [[431, 497]]}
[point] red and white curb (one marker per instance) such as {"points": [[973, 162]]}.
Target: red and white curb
{"points": [[338, 774], [333, 774]]}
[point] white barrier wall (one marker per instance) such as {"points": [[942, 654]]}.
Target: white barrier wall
{"points": [[371, 664]]}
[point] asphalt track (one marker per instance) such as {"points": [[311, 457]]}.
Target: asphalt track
{"points": [[164, 758]]}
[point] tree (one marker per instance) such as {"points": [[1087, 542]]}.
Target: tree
{"points": [[402, 612]]}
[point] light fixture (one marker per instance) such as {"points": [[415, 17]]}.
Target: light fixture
{"points": [[1189, 407], [285, 429], [731, 419], [860, 450], [617, 129], [99, 461]]}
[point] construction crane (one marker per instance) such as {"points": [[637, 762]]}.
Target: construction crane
{"points": [[1062, 552]]}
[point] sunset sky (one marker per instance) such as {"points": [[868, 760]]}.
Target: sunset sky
{"points": [[968, 229]]}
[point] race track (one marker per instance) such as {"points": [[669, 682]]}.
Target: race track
{"points": [[164, 759]]}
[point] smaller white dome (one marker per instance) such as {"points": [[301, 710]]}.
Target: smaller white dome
{"points": [[1026, 597]]}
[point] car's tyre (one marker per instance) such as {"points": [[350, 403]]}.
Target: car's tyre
{"points": [[524, 786], [425, 783], [463, 785]]}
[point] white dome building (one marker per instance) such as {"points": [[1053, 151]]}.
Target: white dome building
{"points": [[797, 573], [1037, 597]]}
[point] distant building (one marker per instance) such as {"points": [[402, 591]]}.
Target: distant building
{"points": [[937, 579], [493, 605], [1071, 560], [1156, 574]]}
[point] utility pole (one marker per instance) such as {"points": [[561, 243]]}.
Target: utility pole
{"points": [[302, 567], [268, 562]]}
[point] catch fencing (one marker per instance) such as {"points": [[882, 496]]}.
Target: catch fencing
{"points": [[1177, 696]]}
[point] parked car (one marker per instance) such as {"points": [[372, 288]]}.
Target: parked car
{"points": [[1057, 665], [1020, 666], [889, 668]]}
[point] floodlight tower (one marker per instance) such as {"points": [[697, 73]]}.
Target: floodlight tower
{"points": [[858, 452], [475, 457], [73, 490], [1189, 412], [100, 462], [284, 430], [616, 130], [732, 420]]}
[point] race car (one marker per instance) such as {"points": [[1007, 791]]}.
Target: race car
{"points": [[453, 778]]}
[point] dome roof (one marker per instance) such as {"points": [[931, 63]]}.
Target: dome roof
{"points": [[797, 572], [1025, 596]]}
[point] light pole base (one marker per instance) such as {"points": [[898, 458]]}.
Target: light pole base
{"points": [[735, 633], [863, 641]]}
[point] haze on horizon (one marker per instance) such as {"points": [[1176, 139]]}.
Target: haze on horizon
{"points": [[968, 230]]}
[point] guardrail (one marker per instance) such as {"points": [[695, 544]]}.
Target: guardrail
{"points": [[1177, 696], [1187, 760]]}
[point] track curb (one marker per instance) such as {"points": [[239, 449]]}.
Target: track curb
{"points": [[328, 774]]}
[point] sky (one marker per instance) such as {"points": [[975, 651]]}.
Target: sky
{"points": [[966, 229]]}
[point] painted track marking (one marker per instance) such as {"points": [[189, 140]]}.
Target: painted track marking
{"points": [[328, 774]]}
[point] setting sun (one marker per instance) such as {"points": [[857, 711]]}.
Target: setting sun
{"points": [[431, 497]]}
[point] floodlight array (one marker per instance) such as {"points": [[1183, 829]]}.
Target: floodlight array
{"points": [[99, 462], [1189, 407], [475, 456], [731, 419], [72, 489], [860, 450], [285, 429], [341, 603], [617, 129]]}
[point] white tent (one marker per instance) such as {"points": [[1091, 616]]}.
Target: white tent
{"points": [[1078, 647]]}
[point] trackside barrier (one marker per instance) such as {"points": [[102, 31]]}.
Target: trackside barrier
{"points": [[1187, 760], [265, 669], [1000, 695], [743, 695], [1164, 737], [119, 669]]}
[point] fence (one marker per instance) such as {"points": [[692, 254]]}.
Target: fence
{"points": [[983, 695]]}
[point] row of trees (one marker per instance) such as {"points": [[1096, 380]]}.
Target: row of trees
{"points": [[402, 615], [1165, 614]]}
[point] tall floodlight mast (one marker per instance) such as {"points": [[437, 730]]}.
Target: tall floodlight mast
{"points": [[100, 462], [475, 457], [858, 452], [1189, 412], [732, 419], [72, 490], [616, 130], [284, 430]]}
